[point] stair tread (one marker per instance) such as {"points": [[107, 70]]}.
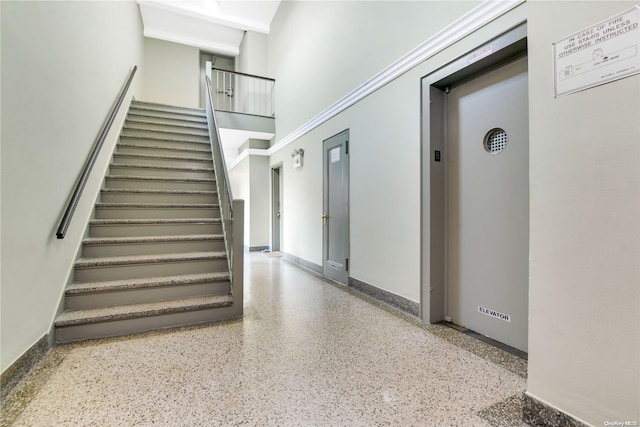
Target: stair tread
{"points": [[145, 112], [134, 190], [148, 259], [164, 147], [163, 167], [158, 205], [95, 315], [181, 132], [151, 239], [158, 178], [144, 119], [143, 221], [145, 282], [158, 156], [162, 107]]}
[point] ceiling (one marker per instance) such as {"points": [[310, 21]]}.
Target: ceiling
{"points": [[216, 26]]}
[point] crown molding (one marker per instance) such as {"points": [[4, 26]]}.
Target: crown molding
{"points": [[460, 28]]}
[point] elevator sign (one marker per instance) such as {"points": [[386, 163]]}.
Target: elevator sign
{"points": [[599, 54]]}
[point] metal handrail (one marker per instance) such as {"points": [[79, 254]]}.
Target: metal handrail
{"points": [[86, 170], [244, 74], [227, 183]]}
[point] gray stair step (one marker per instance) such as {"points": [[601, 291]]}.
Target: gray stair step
{"points": [[165, 129], [154, 227], [155, 210], [158, 160], [160, 170], [124, 148], [167, 124], [159, 183], [146, 116], [173, 136], [75, 325], [151, 142], [164, 115], [148, 289], [95, 247], [117, 195], [139, 266], [157, 107]]}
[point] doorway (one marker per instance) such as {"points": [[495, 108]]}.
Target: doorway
{"points": [[335, 217], [476, 183], [276, 208], [488, 204]]}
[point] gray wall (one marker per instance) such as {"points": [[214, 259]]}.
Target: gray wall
{"points": [[584, 337], [172, 73], [63, 64]]}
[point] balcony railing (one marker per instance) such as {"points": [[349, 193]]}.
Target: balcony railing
{"points": [[242, 93]]}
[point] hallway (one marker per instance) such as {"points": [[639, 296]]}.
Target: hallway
{"points": [[306, 353]]}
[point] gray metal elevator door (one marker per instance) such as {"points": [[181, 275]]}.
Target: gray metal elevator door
{"points": [[336, 208], [488, 204]]}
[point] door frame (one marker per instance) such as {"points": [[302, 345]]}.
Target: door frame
{"points": [[325, 236], [277, 187], [508, 46]]}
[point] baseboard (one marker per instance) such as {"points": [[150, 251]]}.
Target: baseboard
{"points": [[380, 295], [386, 297], [300, 262], [538, 413], [21, 367], [257, 248]]}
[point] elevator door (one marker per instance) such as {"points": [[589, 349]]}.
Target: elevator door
{"points": [[488, 204]]}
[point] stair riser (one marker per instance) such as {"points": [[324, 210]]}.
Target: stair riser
{"points": [[138, 271], [178, 163], [159, 198], [145, 295], [135, 184], [156, 213], [162, 152], [133, 230], [171, 116], [165, 135], [136, 117], [130, 326], [125, 249], [143, 142], [135, 171], [160, 108], [167, 127]]}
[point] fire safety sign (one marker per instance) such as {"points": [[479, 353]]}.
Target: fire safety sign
{"points": [[606, 51]]}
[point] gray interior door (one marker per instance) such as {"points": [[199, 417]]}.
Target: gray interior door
{"points": [[488, 204], [336, 208], [276, 204]]}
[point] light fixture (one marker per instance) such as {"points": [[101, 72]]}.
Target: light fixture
{"points": [[297, 155]]}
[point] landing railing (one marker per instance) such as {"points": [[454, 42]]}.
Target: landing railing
{"points": [[243, 93], [232, 211], [93, 155]]}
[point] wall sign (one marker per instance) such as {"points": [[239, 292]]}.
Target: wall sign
{"points": [[495, 314], [599, 54]]}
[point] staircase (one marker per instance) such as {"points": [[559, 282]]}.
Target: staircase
{"points": [[155, 253]]}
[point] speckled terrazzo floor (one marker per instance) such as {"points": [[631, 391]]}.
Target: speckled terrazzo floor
{"points": [[306, 354]]}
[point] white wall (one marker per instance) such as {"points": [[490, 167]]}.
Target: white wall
{"points": [[240, 180], [319, 51], [63, 64], [584, 334], [172, 73], [253, 57]]}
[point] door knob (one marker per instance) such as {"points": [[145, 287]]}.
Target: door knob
{"points": [[324, 219]]}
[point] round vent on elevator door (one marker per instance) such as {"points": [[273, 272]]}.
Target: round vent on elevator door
{"points": [[495, 141]]}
